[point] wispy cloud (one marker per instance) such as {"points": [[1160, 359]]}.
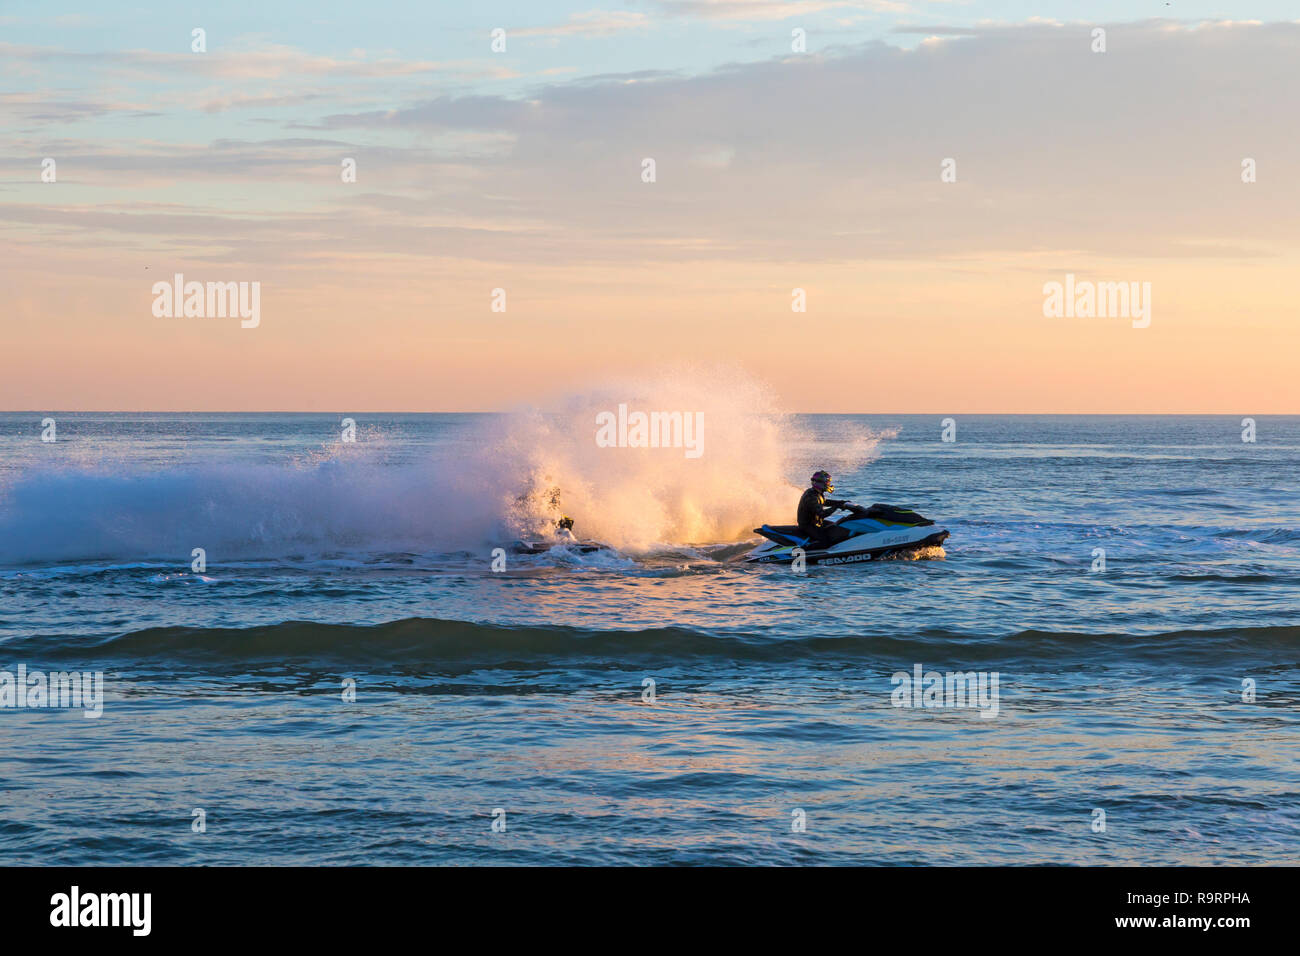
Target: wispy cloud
{"points": [[1043, 132], [255, 63]]}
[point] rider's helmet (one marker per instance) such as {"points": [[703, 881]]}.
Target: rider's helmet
{"points": [[821, 480]]}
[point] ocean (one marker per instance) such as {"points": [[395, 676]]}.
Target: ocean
{"points": [[313, 652]]}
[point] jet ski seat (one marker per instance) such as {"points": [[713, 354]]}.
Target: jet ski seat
{"points": [[788, 534], [790, 529]]}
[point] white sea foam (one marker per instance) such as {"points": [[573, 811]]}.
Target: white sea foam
{"points": [[466, 496]]}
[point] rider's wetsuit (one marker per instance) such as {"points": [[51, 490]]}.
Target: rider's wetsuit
{"points": [[813, 508]]}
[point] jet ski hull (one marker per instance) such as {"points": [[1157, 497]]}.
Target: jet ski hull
{"points": [[858, 551], [541, 547], [874, 533]]}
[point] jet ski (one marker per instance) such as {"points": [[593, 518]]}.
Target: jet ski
{"points": [[562, 537], [876, 532], [541, 547]]}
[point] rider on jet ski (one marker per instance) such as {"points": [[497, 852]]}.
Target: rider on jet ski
{"points": [[814, 506]]}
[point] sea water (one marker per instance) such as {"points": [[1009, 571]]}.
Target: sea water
{"points": [[344, 678]]}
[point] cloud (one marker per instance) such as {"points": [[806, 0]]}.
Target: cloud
{"points": [[251, 63], [1056, 147], [50, 107], [830, 158]]}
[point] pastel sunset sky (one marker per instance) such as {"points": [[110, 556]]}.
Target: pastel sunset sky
{"points": [[774, 170]]}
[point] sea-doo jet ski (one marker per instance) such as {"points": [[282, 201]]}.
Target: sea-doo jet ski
{"points": [[541, 547], [562, 537], [875, 532]]}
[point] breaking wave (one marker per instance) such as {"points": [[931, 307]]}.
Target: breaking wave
{"points": [[435, 643]]}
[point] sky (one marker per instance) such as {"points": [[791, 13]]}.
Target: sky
{"points": [[920, 171]]}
